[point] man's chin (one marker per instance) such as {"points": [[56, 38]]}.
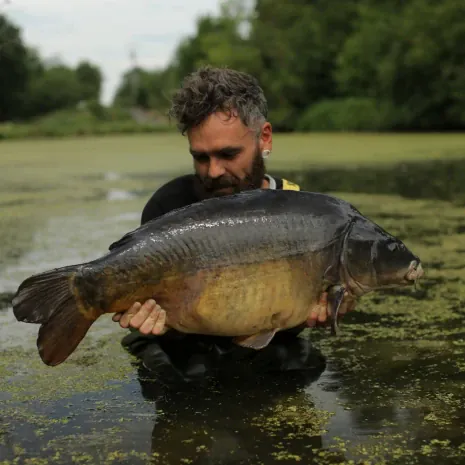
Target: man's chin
{"points": [[216, 194], [224, 191], [220, 192]]}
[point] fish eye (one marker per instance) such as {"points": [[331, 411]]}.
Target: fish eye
{"points": [[392, 246], [395, 246]]}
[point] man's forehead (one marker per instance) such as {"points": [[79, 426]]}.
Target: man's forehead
{"points": [[216, 149], [219, 131]]}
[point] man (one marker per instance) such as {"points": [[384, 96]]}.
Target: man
{"points": [[223, 112]]}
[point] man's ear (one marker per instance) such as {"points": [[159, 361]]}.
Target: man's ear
{"points": [[266, 137]]}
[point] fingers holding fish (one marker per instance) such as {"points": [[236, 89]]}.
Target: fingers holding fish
{"points": [[155, 322], [319, 313], [348, 304], [160, 327], [126, 317], [138, 318], [322, 312], [147, 318], [116, 317]]}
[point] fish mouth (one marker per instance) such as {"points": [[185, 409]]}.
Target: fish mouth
{"points": [[415, 272]]}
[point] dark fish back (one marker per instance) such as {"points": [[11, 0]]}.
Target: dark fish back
{"points": [[249, 227]]}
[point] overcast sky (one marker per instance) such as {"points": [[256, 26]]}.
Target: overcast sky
{"points": [[104, 31]]}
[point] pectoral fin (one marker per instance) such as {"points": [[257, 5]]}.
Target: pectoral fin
{"points": [[335, 298], [256, 341]]}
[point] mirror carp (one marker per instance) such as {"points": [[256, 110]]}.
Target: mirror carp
{"points": [[245, 265]]}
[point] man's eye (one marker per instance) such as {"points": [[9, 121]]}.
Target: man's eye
{"points": [[229, 155], [201, 158]]}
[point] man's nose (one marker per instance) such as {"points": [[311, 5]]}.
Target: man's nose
{"points": [[215, 168]]}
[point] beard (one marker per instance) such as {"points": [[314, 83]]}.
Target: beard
{"points": [[207, 187]]}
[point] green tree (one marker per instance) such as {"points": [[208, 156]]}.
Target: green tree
{"points": [[161, 84], [56, 89], [298, 42], [89, 77], [14, 70], [146, 89], [134, 89], [220, 41], [412, 57]]}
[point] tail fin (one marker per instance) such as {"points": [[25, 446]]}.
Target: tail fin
{"points": [[48, 298], [59, 337]]}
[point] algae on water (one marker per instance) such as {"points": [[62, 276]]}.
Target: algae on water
{"points": [[392, 393]]}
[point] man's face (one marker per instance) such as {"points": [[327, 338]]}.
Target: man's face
{"points": [[227, 155]]}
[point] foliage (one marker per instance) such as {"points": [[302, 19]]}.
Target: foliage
{"points": [[32, 87], [13, 69], [413, 59], [90, 121], [347, 114], [57, 88], [89, 78], [324, 65]]}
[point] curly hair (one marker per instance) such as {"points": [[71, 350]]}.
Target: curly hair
{"points": [[210, 89]]}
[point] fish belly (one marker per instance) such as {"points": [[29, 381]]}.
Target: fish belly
{"points": [[243, 299]]}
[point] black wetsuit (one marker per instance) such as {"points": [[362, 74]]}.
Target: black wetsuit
{"points": [[187, 356], [180, 192]]}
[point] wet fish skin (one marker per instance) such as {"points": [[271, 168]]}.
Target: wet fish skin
{"points": [[237, 266], [182, 244], [374, 259], [190, 271]]}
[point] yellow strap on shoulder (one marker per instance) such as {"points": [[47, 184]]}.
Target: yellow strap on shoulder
{"points": [[290, 186]]}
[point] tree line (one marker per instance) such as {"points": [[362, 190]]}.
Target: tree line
{"points": [[323, 64], [32, 86]]}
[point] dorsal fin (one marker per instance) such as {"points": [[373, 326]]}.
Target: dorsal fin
{"points": [[122, 241], [128, 237]]}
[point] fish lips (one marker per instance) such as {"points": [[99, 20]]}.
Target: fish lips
{"points": [[415, 272]]}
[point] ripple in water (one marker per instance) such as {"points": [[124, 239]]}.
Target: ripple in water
{"points": [[111, 176], [119, 194]]}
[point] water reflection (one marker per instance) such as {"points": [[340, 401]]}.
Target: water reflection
{"points": [[410, 180], [383, 397], [118, 195], [404, 400], [236, 412]]}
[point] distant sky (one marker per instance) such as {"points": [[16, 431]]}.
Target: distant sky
{"points": [[104, 31]]}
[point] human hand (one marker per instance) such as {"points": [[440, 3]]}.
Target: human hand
{"points": [[347, 305], [149, 318], [322, 311]]}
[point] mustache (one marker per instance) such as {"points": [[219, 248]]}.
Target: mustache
{"points": [[213, 184], [206, 186]]}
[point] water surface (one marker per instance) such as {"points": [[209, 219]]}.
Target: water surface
{"points": [[389, 389]]}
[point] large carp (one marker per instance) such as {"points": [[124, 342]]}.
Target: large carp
{"points": [[244, 265]]}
